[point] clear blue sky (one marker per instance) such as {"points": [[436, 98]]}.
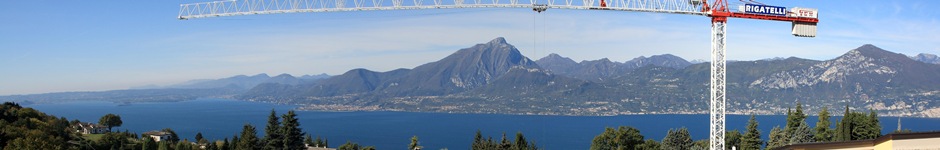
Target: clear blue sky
{"points": [[56, 46]]}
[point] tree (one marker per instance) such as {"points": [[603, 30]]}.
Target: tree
{"points": [[308, 140], [478, 142], [198, 137], [272, 133], [173, 137], [677, 140], [778, 138], [504, 143], [875, 128], [249, 138], [369, 148], [225, 145], [414, 143], [149, 143], [520, 143], [700, 145], [751, 139], [649, 145], [292, 135], [349, 146], [112, 140], [234, 143], [801, 134], [185, 145], [163, 145], [733, 139], [621, 138], [110, 120], [794, 118], [823, 133]]}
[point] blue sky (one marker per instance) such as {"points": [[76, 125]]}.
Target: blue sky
{"points": [[57, 46]]}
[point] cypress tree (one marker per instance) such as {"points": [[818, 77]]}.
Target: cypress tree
{"points": [[272, 134], [875, 130], [751, 139], [292, 135]]}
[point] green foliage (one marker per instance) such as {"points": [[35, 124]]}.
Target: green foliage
{"points": [[414, 143], [163, 145], [198, 137], [751, 139], [778, 138], [677, 140], [27, 128], [700, 145], [185, 145], [794, 118], [822, 131], [858, 126], [110, 120], [173, 136], [272, 134], [249, 139], [520, 143], [621, 138], [649, 144], [148, 143], [801, 134], [293, 136], [225, 145], [319, 142], [308, 140], [733, 139], [349, 146], [369, 148]]}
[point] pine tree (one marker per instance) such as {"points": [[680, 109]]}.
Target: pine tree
{"points": [[778, 138], [677, 140], [308, 140], [234, 143], [504, 143], [520, 143], [801, 134], [272, 139], [733, 139], [751, 139], [292, 135], [823, 133], [249, 138], [844, 127], [478, 142], [225, 145]]}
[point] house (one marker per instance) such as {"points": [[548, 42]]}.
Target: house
{"points": [[157, 135], [917, 140], [90, 128]]}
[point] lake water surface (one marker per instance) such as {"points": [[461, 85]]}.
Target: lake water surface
{"points": [[219, 118]]}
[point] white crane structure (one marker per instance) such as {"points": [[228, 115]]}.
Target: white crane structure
{"points": [[803, 21]]}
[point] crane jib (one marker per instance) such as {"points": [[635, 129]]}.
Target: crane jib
{"points": [[764, 9]]}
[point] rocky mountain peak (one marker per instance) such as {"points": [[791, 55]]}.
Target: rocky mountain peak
{"points": [[927, 58], [497, 41]]}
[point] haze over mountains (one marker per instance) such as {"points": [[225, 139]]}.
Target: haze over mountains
{"points": [[494, 77]]}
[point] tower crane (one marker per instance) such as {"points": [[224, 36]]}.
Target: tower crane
{"points": [[803, 23]]}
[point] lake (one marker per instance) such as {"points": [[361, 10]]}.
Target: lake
{"points": [[220, 118]]}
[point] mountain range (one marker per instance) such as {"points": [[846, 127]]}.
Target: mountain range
{"points": [[494, 77]]}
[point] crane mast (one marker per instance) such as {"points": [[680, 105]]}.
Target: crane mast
{"points": [[803, 21]]}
